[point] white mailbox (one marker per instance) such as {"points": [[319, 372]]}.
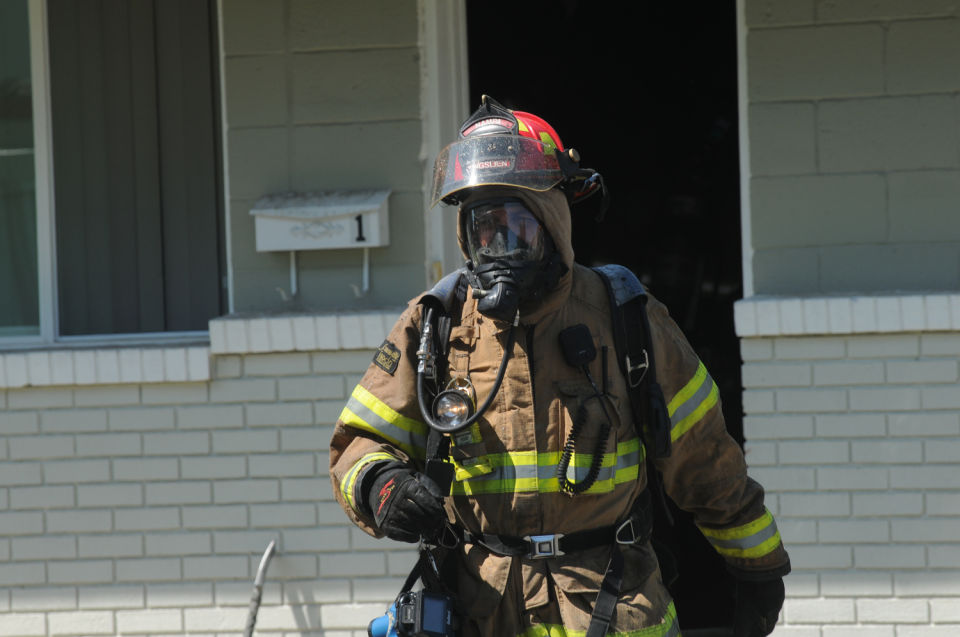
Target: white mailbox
{"points": [[322, 220]]}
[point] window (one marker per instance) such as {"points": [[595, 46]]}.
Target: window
{"points": [[135, 244], [19, 309]]}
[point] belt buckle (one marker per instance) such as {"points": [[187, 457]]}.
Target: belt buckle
{"points": [[544, 546]]}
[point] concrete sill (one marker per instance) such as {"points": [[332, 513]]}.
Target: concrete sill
{"points": [[300, 332], [107, 363], [104, 366], [882, 314]]}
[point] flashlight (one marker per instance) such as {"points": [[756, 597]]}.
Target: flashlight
{"points": [[453, 406]]}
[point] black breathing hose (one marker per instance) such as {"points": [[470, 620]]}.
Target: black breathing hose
{"points": [[501, 372]]}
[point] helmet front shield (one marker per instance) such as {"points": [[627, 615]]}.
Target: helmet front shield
{"points": [[494, 160]]}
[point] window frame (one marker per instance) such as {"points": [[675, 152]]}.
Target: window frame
{"points": [[45, 207], [43, 180]]}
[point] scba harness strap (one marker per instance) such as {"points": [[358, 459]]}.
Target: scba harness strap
{"points": [[635, 529], [634, 344]]}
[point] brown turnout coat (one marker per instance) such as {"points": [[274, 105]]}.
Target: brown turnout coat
{"points": [[505, 464]]}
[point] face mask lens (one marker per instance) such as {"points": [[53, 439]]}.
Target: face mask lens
{"points": [[451, 409], [503, 230]]}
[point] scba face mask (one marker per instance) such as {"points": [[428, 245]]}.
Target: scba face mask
{"points": [[503, 230], [512, 257]]}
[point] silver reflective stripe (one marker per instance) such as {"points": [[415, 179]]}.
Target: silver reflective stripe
{"points": [[384, 427], [690, 405], [525, 472], [748, 542], [578, 473], [674, 629], [510, 472]]}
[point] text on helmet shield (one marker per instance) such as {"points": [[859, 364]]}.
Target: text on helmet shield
{"points": [[489, 164]]}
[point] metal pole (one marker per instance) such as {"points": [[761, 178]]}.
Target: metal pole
{"points": [[258, 588]]}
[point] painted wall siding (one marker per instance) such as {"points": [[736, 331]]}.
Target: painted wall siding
{"points": [[324, 96], [854, 129]]}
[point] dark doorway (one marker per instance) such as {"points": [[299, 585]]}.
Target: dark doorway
{"points": [[647, 93]]}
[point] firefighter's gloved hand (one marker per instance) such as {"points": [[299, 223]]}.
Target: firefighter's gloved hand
{"points": [[406, 505], [758, 606]]}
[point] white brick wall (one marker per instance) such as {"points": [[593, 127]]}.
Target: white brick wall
{"points": [[126, 511], [861, 464], [144, 508]]}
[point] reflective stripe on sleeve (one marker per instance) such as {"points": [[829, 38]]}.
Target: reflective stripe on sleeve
{"points": [[530, 472], [668, 627], [367, 412], [692, 402], [752, 540], [349, 479]]}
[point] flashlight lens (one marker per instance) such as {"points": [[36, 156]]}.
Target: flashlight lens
{"points": [[451, 408]]}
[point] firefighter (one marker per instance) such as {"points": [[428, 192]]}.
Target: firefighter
{"points": [[548, 500]]}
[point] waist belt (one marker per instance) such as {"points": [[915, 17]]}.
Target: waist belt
{"points": [[636, 528]]}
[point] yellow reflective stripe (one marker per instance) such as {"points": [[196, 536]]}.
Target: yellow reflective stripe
{"points": [[684, 425], [668, 627], [501, 463], [472, 469], [627, 460], [586, 459], [690, 404], [520, 485], [688, 390], [549, 630], [366, 412], [528, 471], [767, 546], [350, 419], [629, 474], [754, 539], [386, 412], [346, 486], [548, 145], [742, 531]]}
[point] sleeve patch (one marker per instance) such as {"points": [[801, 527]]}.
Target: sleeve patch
{"points": [[387, 357]]}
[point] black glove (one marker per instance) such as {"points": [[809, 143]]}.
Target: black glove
{"points": [[406, 505], [758, 606]]}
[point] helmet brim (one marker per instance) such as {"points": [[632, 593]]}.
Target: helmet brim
{"points": [[494, 160]]}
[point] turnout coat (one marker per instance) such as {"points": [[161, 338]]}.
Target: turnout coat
{"points": [[505, 464]]}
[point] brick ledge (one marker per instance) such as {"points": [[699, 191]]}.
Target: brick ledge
{"points": [[104, 366], [119, 364], [300, 332], [806, 316]]}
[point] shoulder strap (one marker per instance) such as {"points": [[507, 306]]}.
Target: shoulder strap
{"points": [[446, 299], [447, 294], [635, 354]]}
